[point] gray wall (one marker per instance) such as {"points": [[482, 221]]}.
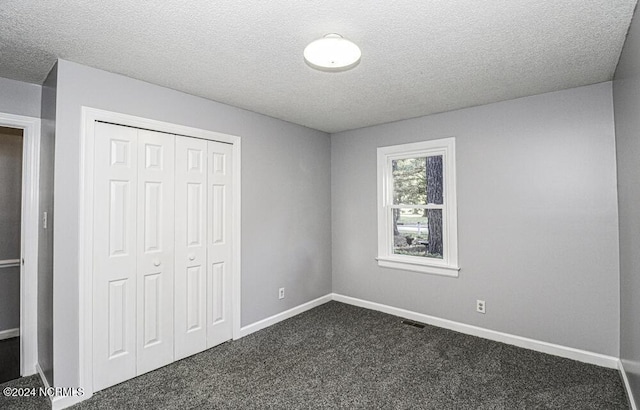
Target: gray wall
{"points": [[10, 225], [537, 218], [11, 197], [9, 298], [45, 236], [19, 98], [286, 227], [626, 99]]}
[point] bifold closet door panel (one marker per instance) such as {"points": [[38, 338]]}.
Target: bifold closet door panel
{"points": [[114, 254], [190, 246], [162, 250], [220, 196], [155, 248]]}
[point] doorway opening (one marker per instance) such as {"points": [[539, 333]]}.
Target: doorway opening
{"points": [[11, 164]]}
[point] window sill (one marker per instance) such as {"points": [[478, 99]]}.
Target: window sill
{"points": [[418, 266]]}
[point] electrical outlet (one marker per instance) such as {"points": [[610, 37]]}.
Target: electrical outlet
{"points": [[281, 293], [480, 306]]}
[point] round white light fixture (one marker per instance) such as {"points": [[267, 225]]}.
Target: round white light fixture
{"points": [[332, 53]]}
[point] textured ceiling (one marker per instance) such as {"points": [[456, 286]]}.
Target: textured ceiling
{"points": [[418, 57]]}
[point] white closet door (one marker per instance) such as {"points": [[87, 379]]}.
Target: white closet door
{"points": [[191, 247], [220, 194], [114, 255], [155, 244], [162, 250]]}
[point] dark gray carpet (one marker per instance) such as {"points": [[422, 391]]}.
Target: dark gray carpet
{"points": [[23, 403], [340, 356]]}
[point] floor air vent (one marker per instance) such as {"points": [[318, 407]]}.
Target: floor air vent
{"points": [[412, 323]]}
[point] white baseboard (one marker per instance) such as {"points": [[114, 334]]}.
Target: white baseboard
{"points": [[62, 402], [44, 380], [9, 333], [532, 344], [627, 386], [59, 402], [272, 320]]}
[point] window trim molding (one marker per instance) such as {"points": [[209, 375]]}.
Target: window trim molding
{"points": [[448, 265]]}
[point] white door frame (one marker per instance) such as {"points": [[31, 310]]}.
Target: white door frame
{"points": [[28, 238], [85, 308]]}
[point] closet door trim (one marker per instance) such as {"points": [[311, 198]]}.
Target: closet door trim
{"points": [[85, 306]]}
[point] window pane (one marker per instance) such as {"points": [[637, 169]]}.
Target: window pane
{"points": [[417, 232], [417, 181], [434, 179], [409, 181]]}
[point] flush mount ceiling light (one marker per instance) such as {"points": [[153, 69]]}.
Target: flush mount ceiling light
{"points": [[332, 53]]}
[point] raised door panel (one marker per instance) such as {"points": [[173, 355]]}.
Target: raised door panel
{"points": [[190, 246], [220, 191], [114, 255], [155, 247]]}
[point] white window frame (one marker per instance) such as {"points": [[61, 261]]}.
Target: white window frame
{"points": [[448, 265]]}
